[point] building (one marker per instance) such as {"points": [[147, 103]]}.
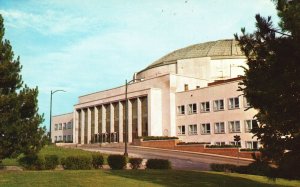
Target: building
{"points": [[62, 130], [190, 93]]}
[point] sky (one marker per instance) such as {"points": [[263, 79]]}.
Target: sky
{"points": [[87, 46]]}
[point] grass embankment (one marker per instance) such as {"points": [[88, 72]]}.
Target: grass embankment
{"points": [[53, 150], [135, 178]]}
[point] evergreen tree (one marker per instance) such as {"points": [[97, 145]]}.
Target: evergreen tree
{"points": [[272, 85], [19, 118]]}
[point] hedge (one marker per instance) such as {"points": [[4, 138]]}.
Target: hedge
{"points": [[135, 163], [77, 162], [97, 161], [32, 162], [147, 138], [116, 161], [51, 161], [158, 164], [222, 146]]}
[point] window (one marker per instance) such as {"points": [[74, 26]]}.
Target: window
{"points": [[181, 130], [234, 126], [193, 108], [65, 126], [219, 143], [55, 127], [65, 138], [205, 128], [59, 126], [55, 138], [251, 145], [233, 103], [219, 127], [235, 143], [181, 110], [69, 125], [246, 103], [192, 129], [204, 107], [218, 105], [250, 124], [69, 138], [59, 138]]}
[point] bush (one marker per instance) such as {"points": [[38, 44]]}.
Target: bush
{"points": [[223, 167], [77, 162], [222, 146], [116, 161], [97, 160], [147, 138], [51, 161], [191, 143], [158, 164], [32, 162], [135, 163]]}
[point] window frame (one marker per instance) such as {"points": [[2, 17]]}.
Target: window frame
{"points": [[233, 129], [191, 130], [233, 103], [219, 124], [180, 111], [203, 128], [192, 108], [181, 130], [247, 130], [217, 106], [204, 108]]}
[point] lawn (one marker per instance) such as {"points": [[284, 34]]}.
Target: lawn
{"points": [[53, 150], [135, 178]]}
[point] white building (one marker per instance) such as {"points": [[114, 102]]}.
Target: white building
{"points": [[176, 95], [62, 128]]}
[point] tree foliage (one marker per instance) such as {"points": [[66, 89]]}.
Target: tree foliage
{"points": [[19, 118], [272, 82]]}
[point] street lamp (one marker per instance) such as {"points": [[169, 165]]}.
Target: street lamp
{"points": [[52, 92], [126, 114]]}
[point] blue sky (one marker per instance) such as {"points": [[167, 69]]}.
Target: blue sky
{"points": [[87, 46]]}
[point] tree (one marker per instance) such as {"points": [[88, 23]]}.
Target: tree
{"points": [[19, 118], [272, 84]]}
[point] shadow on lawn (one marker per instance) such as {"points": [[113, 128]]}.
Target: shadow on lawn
{"points": [[186, 178]]}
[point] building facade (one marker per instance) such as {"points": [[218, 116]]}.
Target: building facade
{"points": [[62, 128], [178, 95]]}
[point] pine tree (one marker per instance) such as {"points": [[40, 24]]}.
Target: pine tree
{"points": [[272, 85], [19, 118]]}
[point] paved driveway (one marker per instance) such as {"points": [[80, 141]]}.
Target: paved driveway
{"points": [[179, 159]]}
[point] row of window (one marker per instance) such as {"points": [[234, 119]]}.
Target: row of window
{"points": [[218, 105], [219, 127], [63, 126], [248, 144], [63, 138]]}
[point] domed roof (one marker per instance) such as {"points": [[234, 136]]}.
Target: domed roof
{"points": [[216, 49]]}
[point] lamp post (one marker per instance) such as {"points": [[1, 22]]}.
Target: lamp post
{"points": [[126, 115], [52, 92]]}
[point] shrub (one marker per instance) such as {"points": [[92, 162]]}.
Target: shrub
{"points": [[116, 161], [77, 162], [222, 146], [147, 138], [223, 167], [158, 164], [135, 163], [32, 162], [191, 143], [51, 161], [97, 160]]}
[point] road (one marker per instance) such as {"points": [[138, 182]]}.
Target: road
{"points": [[179, 160]]}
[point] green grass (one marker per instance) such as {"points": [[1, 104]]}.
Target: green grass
{"points": [[54, 150], [135, 178]]}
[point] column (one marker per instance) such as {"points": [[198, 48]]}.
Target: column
{"points": [[121, 119], [82, 126], [96, 119], [103, 119], [89, 126], [75, 126], [112, 120], [139, 116], [129, 121]]}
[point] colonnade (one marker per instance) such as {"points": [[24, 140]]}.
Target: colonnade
{"points": [[106, 122]]}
